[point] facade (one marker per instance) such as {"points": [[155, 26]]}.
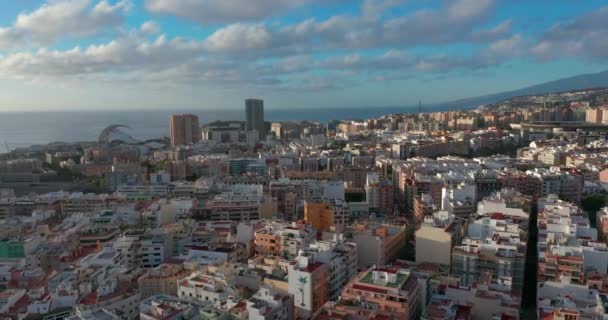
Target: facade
{"points": [[459, 200], [238, 167], [10, 249], [319, 215], [436, 238], [394, 292], [164, 307], [423, 207], [494, 247], [379, 194], [561, 300], [234, 206], [270, 304], [484, 301], [184, 129], [377, 244], [567, 244], [206, 288], [572, 264], [309, 283], [154, 250], [162, 280], [341, 257], [254, 115], [282, 240], [123, 302], [332, 215]]}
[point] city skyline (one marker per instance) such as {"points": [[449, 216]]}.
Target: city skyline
{"points": [[175, 54]]}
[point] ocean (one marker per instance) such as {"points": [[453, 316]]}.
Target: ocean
{"points": [[22, 129]]}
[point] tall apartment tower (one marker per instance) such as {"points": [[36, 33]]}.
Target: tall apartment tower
{"points": [[184, 129], [254, 109]]}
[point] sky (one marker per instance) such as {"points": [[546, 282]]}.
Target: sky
{"points": [[212, 54]]}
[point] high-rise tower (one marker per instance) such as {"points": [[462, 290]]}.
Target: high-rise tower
{"points": [[254, 109], [184, 129]]}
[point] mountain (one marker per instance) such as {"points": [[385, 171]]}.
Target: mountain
{"points": [[583, 81]]}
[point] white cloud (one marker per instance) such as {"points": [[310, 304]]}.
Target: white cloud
{"points": [[372, 9], [583, 37], [468, 9], [224, 11], [284, 56], [239, 36], [127, 54], [62, 18], [149, 27]]}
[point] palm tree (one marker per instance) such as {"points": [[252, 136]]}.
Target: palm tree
{"points": [[302, 281]]}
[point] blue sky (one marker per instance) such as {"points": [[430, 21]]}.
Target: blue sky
{"points": [[211, 54]]}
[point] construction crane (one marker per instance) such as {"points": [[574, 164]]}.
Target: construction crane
{"points": [[8, 149]]}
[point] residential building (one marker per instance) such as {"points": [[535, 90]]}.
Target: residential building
{"points": [[377, 244], [379, 194], [319, 215], [234, 206], [184, 129], [270, 304], [162, 280], [309, 283], [341, 256], [283, 240], [459, 200], [394, 292], [210, 288], [494, 246], [436, 238]]}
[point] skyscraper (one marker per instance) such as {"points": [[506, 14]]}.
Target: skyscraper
{"points": [[184, 129], [254, 109]]}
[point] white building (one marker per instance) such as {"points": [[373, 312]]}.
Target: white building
{"points": [[161, 307], [372, 192], [154, 250], [435, 239], [308, 283], [203, 288], [269, 304], [558, 298], [341, 257], [235, 206], [459, 200]]}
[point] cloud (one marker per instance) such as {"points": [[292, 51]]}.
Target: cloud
{"points": [[238, 37], [149, 27], [60, 19], [500, 51], [331, 53], [583, 37], [225, 11], [456, 23], [467, 10], [127, 54], [372, 9]]}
